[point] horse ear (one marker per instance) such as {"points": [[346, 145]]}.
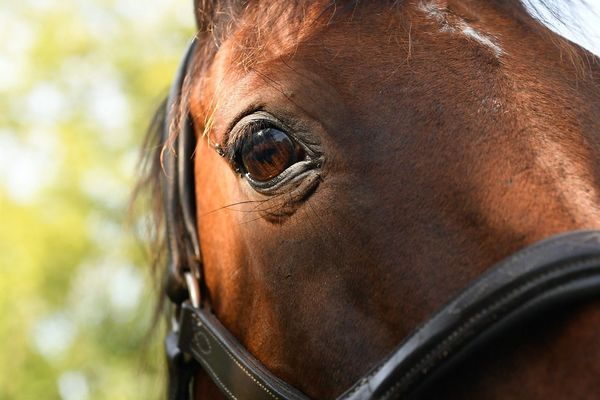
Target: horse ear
{"points": [[179, 141]]}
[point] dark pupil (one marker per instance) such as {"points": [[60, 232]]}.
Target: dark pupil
{"points": [[268, 153]]}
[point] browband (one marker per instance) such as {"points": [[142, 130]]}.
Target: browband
{"points": [[559, 270]]}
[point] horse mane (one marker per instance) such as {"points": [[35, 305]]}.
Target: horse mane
{"points": [[215, 21], [146, 212], [556, 14]]}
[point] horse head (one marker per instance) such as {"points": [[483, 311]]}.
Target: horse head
{"points": [[358, 164]]}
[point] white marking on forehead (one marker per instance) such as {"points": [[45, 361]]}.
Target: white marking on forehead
{"points": [[482, 39], [450, 23], [433, 10]]}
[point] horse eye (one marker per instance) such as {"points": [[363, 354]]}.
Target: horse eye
{"points": [[267, 153]]}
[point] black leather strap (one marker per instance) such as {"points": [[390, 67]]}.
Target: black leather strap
{"points": [[558, 270], [179, 142], [181, 370], [237, 373]]}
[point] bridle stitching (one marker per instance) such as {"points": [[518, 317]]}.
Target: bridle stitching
{"points": [[514, 258], [216, 377], [236, 362], [474, 319], [207, 364]]}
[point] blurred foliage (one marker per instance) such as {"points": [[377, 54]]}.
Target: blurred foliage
{"points": [[79, 81]]}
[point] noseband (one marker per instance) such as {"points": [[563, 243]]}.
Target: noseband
{"points": [[556, 271]]}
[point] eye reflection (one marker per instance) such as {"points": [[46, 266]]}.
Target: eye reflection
{"points": [[268, 152]]}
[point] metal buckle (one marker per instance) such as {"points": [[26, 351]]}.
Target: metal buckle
{"points": [[193, 288]]}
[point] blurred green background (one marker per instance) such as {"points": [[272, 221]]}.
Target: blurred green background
{"points": [[79, 81]]}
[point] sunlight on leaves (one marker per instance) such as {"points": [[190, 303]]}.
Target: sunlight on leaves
{"points": [[79, 82]]}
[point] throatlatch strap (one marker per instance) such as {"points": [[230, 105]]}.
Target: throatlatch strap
{"points": [[177, 184], [183, 251], [237, 373], [181, 371]]}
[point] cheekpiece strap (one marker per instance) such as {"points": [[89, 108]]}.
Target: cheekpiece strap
{"points": [[231, 367]]}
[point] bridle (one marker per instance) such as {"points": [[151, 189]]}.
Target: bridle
{"points": [[559, 270]]}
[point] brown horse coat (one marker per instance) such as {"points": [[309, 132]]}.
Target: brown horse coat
{"points": [[445, 135]]}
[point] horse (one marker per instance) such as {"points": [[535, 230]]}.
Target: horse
{"points": [[350, 186]]}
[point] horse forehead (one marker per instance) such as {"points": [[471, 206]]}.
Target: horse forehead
{"points": [[299, 71], [288, 87], [355, 37], [451, 23], [337, 64]]}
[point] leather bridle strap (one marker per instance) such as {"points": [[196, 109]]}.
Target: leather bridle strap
{"points": [[235, 371], [178, 143], [179, 197], [559, 270]]}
